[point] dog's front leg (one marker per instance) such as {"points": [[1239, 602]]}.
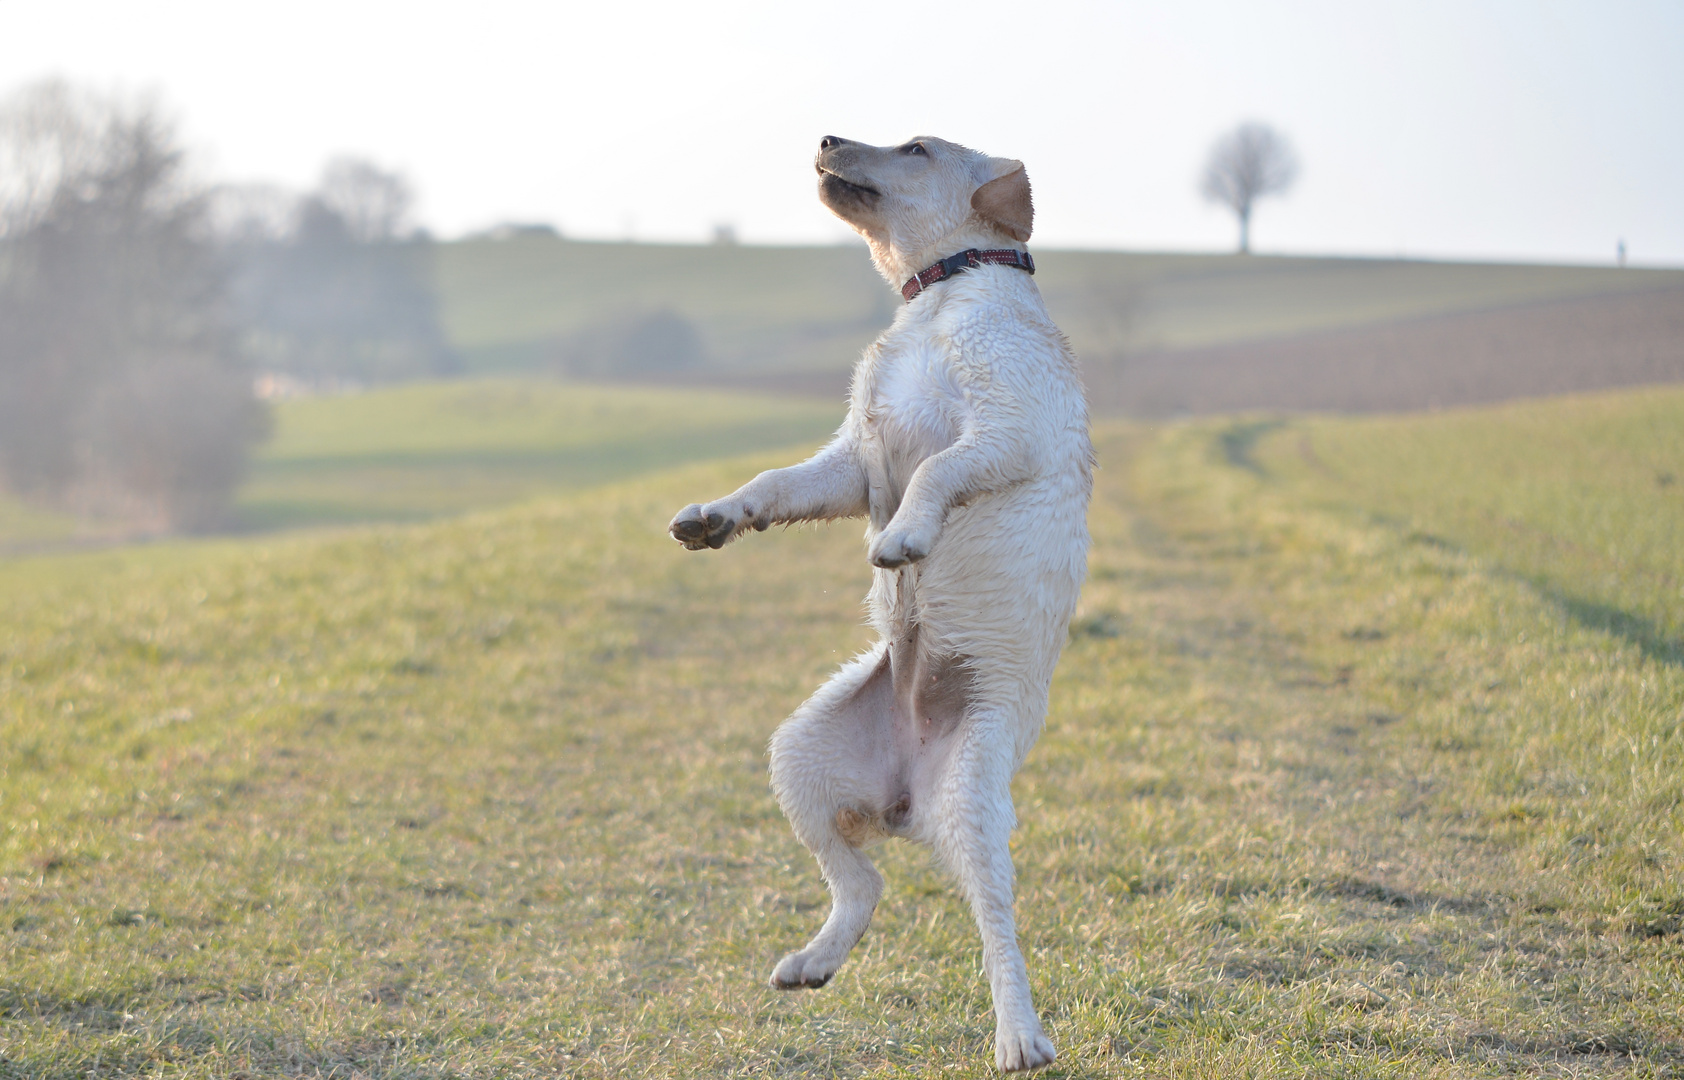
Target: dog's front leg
{"points": [[830, 484], [981, 461]]}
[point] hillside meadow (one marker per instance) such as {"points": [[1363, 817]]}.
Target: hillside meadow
{"points": [[1582, 496], [804, 311], [778, 330], [421, 451], [426, 450], [1363, 760]]}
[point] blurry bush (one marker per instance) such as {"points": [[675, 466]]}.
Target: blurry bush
{"points": [[334, 288], [123, 393], [632, 345]]}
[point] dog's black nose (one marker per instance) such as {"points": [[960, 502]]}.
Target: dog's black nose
{"points": [[831, 140]]}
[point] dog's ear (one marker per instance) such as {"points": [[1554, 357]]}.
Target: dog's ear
{"points": [[1004, 199]]}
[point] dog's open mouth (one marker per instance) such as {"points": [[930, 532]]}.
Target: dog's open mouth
{"points": [[843, 186]]}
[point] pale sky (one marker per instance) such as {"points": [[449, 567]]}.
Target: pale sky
{"points": [[1531, 129]]}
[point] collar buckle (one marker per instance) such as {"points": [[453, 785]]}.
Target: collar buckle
{"points": [[954, 264]]}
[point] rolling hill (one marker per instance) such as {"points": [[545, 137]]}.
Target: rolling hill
{"points": [[1159, 334]]}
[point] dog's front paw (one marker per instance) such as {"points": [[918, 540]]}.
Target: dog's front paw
{"points": [[802, 971], [712, 526], [899, 546], [1021, 1049], [696, 529]]}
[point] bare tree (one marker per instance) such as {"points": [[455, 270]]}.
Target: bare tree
{"points": [[374, 204], [122, 391], [1246, 164], [48, 132]]}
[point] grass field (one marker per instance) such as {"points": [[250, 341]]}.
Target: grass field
{"points": [[1341, 779], [425, 450], [1581, 496], [23, 525]]}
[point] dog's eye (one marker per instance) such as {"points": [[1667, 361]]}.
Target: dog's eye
{"points": [[916, 148]]}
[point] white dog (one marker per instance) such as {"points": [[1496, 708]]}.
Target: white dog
{"points": [[967, 444]]}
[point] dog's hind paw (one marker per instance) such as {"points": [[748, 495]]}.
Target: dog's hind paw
{"points": [[801, 971], [1020, 1051]]}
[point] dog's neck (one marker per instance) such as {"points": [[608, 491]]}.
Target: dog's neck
{"points": [[899, 261]]}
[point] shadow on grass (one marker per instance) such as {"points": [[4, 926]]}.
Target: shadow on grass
{"points": [[1648, 636], [1634, 629], [1238, 441], [1650, 639]]}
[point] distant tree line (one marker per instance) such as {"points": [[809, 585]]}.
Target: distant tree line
{"points": [[122, 388], [632, 344], [334, 286], [137, 308]]}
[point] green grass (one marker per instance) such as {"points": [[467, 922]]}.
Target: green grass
{"points": [[425, 450], [1323, 793], [24, 526], [770, 309], [1583, 496]]}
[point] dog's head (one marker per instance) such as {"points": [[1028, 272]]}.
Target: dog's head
{"points": [[924, 199]]}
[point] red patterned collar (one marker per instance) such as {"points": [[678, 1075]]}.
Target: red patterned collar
{"points": [[958, 264]]}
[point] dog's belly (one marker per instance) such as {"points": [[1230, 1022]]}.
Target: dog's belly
{"points": [[903, 721], [1003, 578], [974, 630], [977, 625], [972, 635]]}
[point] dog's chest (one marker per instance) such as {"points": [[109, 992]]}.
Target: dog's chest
{"points": [[915, 408]]}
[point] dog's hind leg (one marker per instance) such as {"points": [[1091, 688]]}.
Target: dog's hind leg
{"points": [[832, 766], [972, 824]]}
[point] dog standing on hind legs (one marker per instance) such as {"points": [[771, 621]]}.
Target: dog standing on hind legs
{"points": [[966, 445]]}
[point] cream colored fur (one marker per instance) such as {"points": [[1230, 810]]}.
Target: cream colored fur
{"points": [[966, 445]]}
